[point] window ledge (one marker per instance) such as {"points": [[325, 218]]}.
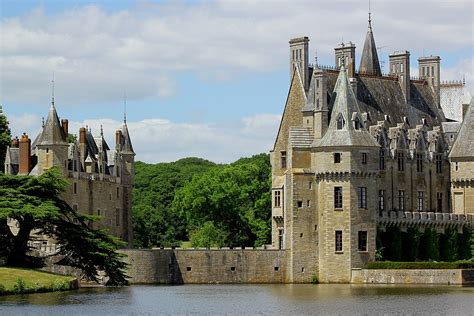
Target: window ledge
{"points": [[363, 251], [339, 209], [339, 252]]}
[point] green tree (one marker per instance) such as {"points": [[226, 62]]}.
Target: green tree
{"points": [[208, 235], [5, 138], [429, 245], [35, 203], [448, 245]]}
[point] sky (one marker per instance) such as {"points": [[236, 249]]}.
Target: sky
{"points": [[199, 78]]}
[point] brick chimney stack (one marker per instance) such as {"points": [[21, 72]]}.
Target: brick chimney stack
{"points": [[25, 154], [65, 126], [82, 144], [15, 143]]}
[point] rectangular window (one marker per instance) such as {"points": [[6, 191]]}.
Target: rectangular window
{"points": [[310, 185], [280, 238], [382, 159], [338, 197], [299, 204], [427, 71], [432, 71], [381, 200], [337, 157], [439, 164], [456, 167], [420, 201], [317, 83], [362, 241], [401, 200], [439, 204], [308, 203], [98, 212], [283, 159], [364, 158], [419, 163], [117, 217], [338, 241], [423, 70], [401, 161], [401, 67], [75, 187], [118, 192], [362, 197], [277, 199]]}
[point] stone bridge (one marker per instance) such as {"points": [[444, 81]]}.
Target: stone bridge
{"points": [[423, 220]]}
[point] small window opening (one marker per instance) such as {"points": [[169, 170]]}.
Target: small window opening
{"points": [[337, 157], [301, 235], [232, 268], [300, 204], [276, 268], [188, 268], [340, 123]]}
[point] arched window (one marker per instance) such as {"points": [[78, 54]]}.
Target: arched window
{"points": [[340, 122]]}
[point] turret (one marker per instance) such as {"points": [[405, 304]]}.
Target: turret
{"points": [[369, 61]]}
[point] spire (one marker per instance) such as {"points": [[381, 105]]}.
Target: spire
{"points": [[52, 92], [125, 108], [463, 147], [369, 62], [52, 133], [346, 126]]}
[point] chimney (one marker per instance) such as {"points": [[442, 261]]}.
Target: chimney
{"points": [[25, 154], [345, 54], [118, 139], [429, 69], [15, 142], [399, 63], [65, 126], [299, 58], [82, 135]]}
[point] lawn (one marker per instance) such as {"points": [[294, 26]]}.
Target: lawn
{"points": [[16, 280]]}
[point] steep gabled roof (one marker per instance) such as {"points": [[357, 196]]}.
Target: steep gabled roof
{"points": [[345, 108], [127, 147], [369, 61], [464, 145], [52, 133]]}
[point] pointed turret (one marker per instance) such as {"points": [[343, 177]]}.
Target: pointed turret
{"points": [[127, 147], [369, 62], [464, 145], [346, 127], [53, 133]]}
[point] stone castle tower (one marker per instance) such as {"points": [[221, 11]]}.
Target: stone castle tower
{"points": [[358, 151], [100, 180]]}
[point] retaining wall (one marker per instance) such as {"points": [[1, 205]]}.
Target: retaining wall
{"points": [[204, 266]]}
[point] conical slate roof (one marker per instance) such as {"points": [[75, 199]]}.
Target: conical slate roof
{"points": [[369, 61], [345, 107], [464, 145], [127, 147], [52, 133]]}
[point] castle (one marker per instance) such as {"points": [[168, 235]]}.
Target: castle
{"points": [[100, 179], [358, 151]]}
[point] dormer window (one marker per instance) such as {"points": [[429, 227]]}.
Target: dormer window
{"points": [[340, 123], [357, 125]]}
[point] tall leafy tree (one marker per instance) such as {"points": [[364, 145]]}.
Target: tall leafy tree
{"points": [[5, 137], [35, 203]]}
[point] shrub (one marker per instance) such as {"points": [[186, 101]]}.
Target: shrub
{"points": [[2, 289], [314, 279], [19, 286], [465, 264], [60, 285]]}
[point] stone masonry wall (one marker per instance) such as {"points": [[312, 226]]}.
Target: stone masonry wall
{"points": [[206, 266], [435, 276]]}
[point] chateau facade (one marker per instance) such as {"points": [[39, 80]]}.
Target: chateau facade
{"points": [[100, 179], [358, 150]]}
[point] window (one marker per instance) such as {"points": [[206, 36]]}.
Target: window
{"points": [[338, 197], [300, 204], [75, 187], [427, 71], [98, 212], [401, 67], [338, 241], [381, 200], [401, 161], [456, 166], [317, 83], [432, 71], [277, 199], [308, 203], [276, 268], [188, 269], [401, 200], [362, 197], [118, 192], [339, 61], [423, 70], [382, 159], [340, 122], [280, 238], [337, 157], [419, 163], [117, 217], [310, 185], [362, 241], [364, 158], [283, 159], [317, 103], [439, 163], [439, 204], [420, 201], [232, 268], [357, 123]]}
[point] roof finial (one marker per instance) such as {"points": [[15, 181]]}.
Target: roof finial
{"points": [[1, 109], [101, 131], [315, 57], [370, 19], [42, 122], [125, 107], [52, 92], [463, 82]]}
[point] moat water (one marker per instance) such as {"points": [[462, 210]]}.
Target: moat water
{"points": [[247, 299]]}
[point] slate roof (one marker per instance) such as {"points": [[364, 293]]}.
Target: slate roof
{"points": [[369, 61], [52, 133], [301, 137], [452, 97], [14, 156], [127, 147], [464, 145], [344, 103]]}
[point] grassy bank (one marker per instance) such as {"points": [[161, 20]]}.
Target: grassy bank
{"points": [[17, 281], [465, 264]]}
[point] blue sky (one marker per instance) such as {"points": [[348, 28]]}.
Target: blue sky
{"points": [[202, 78]]}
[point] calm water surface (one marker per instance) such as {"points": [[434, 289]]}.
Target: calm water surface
{"points": [[247, 299]]}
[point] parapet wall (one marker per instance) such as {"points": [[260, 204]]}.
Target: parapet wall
{"points": [[415, 276], [204, 266]]}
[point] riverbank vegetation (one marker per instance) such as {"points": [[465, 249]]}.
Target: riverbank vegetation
{"points": [[35, 204], [19, 281], [207, 204]]}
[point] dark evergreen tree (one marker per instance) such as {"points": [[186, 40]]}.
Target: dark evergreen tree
{"points": [[5, 138]]}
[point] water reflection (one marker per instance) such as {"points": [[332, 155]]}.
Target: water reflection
{"points": [[247, 299]]}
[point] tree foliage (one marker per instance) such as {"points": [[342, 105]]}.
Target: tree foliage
{"points": [[35, 203], [5, 138]]}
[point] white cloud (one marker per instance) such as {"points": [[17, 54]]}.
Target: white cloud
{"points": [[97, 54], [157, 140]]}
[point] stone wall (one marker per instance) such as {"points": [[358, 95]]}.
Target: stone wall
{"points": [[206, 266], [415, 276]]}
